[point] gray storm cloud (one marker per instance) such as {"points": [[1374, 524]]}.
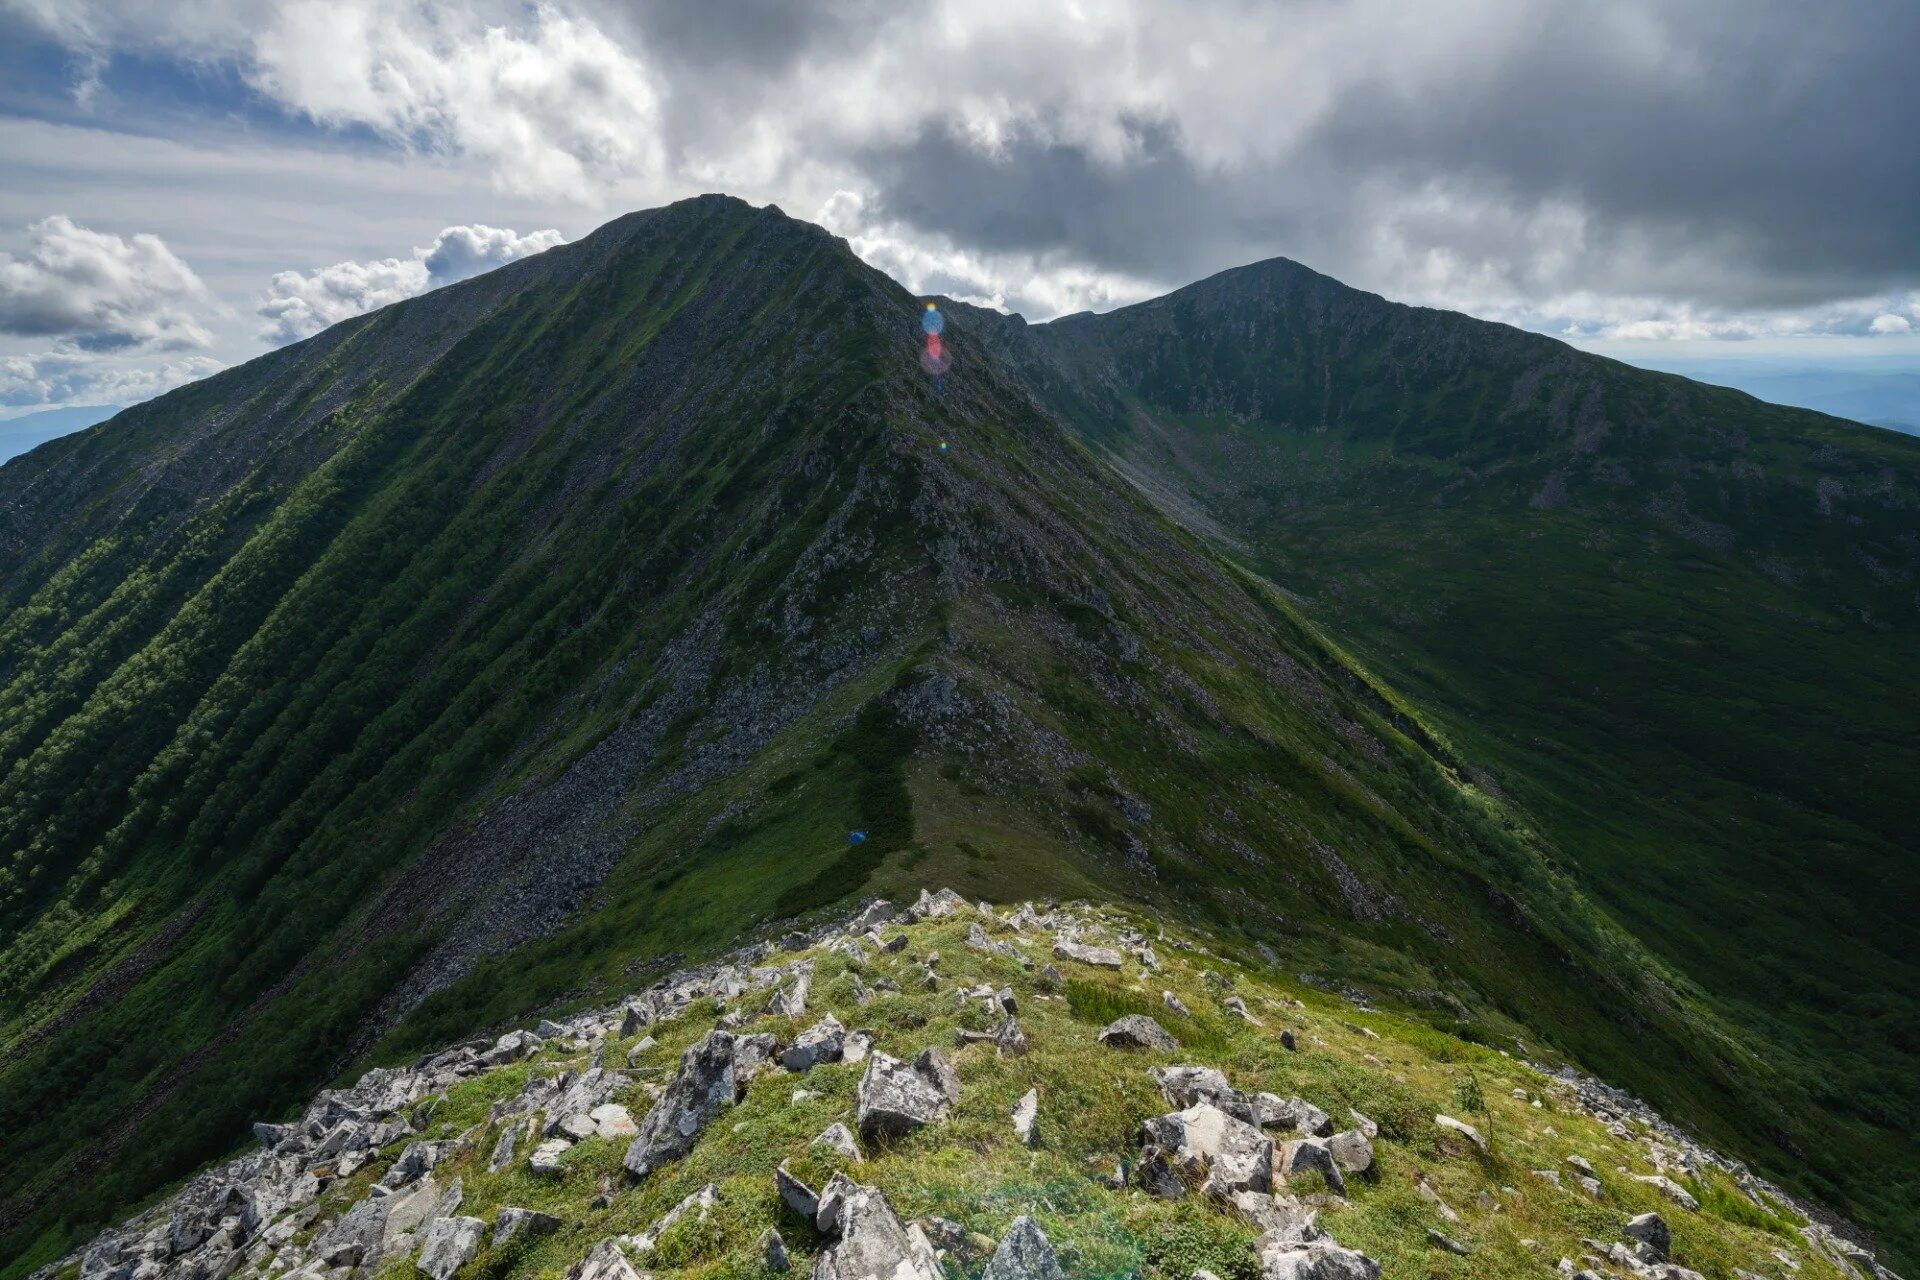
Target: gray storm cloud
{"points": [[1686, 163]]}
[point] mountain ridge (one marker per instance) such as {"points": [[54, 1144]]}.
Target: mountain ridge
{"points": [[587, 635], [524, 1129]]}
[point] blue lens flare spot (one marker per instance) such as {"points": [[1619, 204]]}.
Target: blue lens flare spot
{"points": [[931, 320], [856, 837]]}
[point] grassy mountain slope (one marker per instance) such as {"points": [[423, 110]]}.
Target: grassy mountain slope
{"points": [[486, 651], [1676, 625]]}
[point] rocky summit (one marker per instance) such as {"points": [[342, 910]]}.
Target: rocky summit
{"points": [[704, 1126]]}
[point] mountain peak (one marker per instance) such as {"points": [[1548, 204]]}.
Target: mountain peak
{"points": [[487, 651]]}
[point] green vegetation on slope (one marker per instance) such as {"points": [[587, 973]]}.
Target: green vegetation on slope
{"points": [[970, 1168], [483, 653], [1674, 625]]}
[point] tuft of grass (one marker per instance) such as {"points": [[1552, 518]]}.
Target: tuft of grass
{"points": [[1721, 1198]]}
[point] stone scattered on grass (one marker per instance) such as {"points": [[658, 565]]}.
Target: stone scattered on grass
{"points": [[1462, 1128], [606, 1261], [1137, 1031], [511, 1221], [451, 1243], [1315, 1154], [545, 1159], [869, 1239], [1025, 1112], [774, 1250], [1099, 957], [795, 1194], [1651, 1230], [1670, 1189], [824, 1041], [1024, 1254], [837, 1137], [705, 1085], [1229, 1155], [895, 1098]]}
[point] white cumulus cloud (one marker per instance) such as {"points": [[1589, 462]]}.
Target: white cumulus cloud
{"points": [[299, 305], [49, 378], [100, 291]]}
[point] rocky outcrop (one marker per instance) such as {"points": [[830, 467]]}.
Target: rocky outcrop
{"points": [[868, 1239], [1137, 1031], [705, 1085], [824, 1041], [1023, 1254], [450, 1244], [510, 1222], [1083, 953], [896, 1098], [606, 1261], [264, 1217], [1206, 1145]]}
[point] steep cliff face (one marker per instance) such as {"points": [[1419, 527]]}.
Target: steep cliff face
{"points": [[485, 652]]}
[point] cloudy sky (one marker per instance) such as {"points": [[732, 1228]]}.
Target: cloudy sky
{"points": [[185, 185]]}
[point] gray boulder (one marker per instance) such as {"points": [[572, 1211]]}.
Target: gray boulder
{"points": [[1278, 1216], [1025, 1112], [416, 1159], [931, 1064], [1297, 1114], [795, 1194], [870, 1239], [584, 1093], [611, 1120], [931, 906], [1316, 1154], [791, 1000], [510, 1222], [504, 1148], [605, 1262], [1024, 1254], [1235, 1155], [775, 1251], [1449, 1125], [837, 1137], [1010, 1040], [272, 1135], [1099, 957], [824, 1041], [1137, 1031], [545, 1159], [701, 1089], [1670, 1189], [894, 1098], [450, 1244], [1184, 1086], [358, 1231], [1283, 1258], [1651, 1230], [1351, 1150], [872, 916]]}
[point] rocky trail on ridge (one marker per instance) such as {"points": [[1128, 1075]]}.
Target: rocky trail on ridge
{"points": [[843, 1099]]}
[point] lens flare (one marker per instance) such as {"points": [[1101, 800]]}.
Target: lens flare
{"points": [[933, 357]]}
